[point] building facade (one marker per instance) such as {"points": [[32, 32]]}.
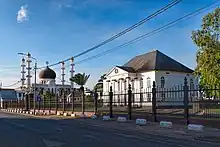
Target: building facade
{"points": [[7, 95], [141, 71]]}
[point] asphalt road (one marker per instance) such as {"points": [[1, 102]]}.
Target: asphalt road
{"points": [[22, 131]]}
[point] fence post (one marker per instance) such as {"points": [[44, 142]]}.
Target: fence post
{"points": [[129, 101], [110, 102], [17, 103], [154, 103], [26, 102], [186, 101], [73, 96], [50, 102], [83, 100], [96, 101], [56, 102], [64, 104]]}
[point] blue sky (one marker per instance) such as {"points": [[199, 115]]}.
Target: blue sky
{"points": [[54, 30]]}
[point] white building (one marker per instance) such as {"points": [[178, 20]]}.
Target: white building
{"points": [[47, 81], [141, 71]]}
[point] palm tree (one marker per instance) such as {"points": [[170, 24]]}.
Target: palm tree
{"points": [[99, 85], [81, 79]]}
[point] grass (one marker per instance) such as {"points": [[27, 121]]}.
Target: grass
{"points": [[214, 111]]}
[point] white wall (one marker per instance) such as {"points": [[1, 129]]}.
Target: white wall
{"points": [[114, 76], [173, 78]]}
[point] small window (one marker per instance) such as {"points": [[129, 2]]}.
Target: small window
{"points": [[148, 82], [162, 80], [141, 83]]}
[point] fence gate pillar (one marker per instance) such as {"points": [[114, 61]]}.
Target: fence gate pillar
{"points": [[154, 103], [129, 101], [110, 102], [186, 101]]}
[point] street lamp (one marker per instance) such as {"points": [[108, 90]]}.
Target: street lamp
{"points": [[35, 75]]}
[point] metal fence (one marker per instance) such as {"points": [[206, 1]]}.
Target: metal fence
{"points": [[184, 102]]}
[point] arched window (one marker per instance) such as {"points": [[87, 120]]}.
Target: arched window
{"points": [[162, 82], [191, 84], [125, 85], [141, 83], [132, 84], [119, 86], [148, 82]]}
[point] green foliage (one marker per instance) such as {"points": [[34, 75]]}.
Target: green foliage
{"points": [[47, 96], [80, 79], [208, 54], [88, 98], [99, 85]]}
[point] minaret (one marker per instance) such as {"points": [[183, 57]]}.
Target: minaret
{"points": [[23, 73], [62, 74], [28, 71], [72, 71]]}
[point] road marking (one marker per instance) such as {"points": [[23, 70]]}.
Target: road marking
{"points": [[50, 143], [97, 125], [90, 136], [152, 140], [59, 129], [129, 136]]}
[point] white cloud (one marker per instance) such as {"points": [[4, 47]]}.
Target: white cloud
{"points": [[22, 14]]}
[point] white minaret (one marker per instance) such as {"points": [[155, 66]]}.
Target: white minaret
{"points": [[23, 73], [62, 73], [72, 71], [28, 71]]}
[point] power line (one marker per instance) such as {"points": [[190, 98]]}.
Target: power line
{"points": [[165, 8], [151, 33], [13, 84]]}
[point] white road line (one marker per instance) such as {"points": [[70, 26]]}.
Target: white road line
{"points": [[157, 141], [97, 125], [90, 136]]}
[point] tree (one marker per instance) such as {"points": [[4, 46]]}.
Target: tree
{"points": [[81, 79], [99, 85], [48, 98], [208, 54]]}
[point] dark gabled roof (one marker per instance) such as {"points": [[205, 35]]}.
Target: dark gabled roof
{"points": [[8, 94], [154, 60], [128, 69]]}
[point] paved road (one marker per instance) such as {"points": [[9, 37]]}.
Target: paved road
{"points": [[22, 131]]}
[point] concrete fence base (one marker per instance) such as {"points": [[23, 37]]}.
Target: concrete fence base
{"points": [[194, 127], [122, 119], [106, 118], [166, 124], [141, 121]]}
